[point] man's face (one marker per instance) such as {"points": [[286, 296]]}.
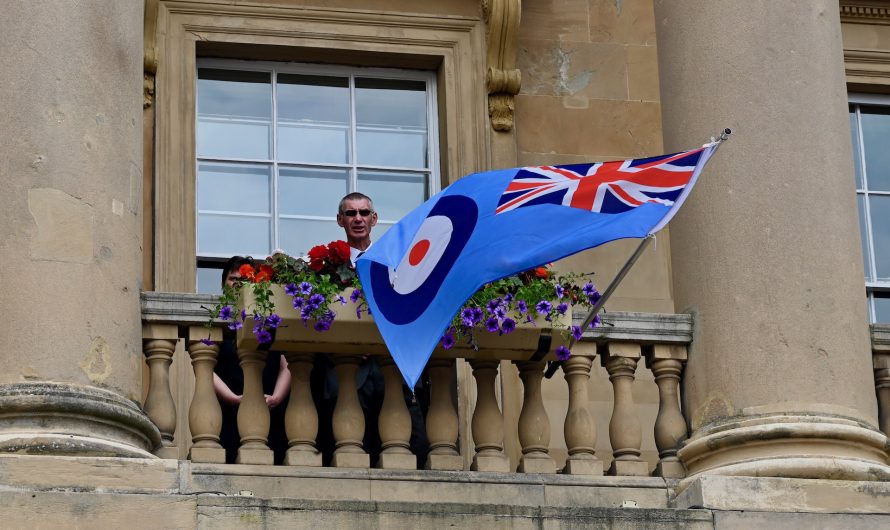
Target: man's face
{"points": [[358, 227], [232, 278]]}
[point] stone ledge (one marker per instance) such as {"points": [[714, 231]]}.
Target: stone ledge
{"points": [[767, 494]]}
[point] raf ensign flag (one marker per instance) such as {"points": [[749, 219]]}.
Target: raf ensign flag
{"points": [[490, 225]]}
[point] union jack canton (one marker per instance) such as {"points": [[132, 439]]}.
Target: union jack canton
{"points": [[603, 187]]}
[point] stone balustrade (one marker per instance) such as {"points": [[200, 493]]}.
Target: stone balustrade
{"points": [[619, 345], [880, 344]]}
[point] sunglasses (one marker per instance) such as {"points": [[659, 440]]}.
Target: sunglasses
{"points": [[353, 213]]}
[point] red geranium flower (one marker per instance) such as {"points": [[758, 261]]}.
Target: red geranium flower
{"points": [[338, 252], [542, 272], [316, 264], [264, 275], [247, 271]]}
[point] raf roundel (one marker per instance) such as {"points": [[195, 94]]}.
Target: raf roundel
{"points": [[403, 294]]}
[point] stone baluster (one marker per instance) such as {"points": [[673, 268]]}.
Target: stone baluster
{"points": [[253, 413], [625, 434], [441, 419], [205, 414], [580, 427], [158, 345], [349, 420], [666, 363], [395, 421], [882, 387], [301, 418], [534, 425], [488, 422]]}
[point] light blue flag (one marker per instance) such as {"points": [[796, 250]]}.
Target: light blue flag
{"points": [[490, 225]]}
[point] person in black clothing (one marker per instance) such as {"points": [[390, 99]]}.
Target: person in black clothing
{"points": [[228, 382]]}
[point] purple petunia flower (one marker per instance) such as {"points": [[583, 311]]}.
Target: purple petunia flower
{"points": [[447, 341], [235, 325], [306, 312], [322, 325], [493, 304], [356, 294], [273, 321], [298, 302], [477, 315], [263, 336], [291, 290], [562, 308], [226, 313], [576, 332], [306, 288], [543, 307], [588, 289], [508, 298], [522, 307], [466, 316], [595, 322], [243, 315], [560, 290], [207, 342], [358, 313], [316, 300], [341, 300], [508, 326], [500, 312], [491, 324], [563, 353]]}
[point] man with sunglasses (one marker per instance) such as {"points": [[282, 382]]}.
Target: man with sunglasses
{"points": [[357, 217]]}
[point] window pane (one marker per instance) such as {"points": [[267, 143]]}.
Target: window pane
{"points": [[209, 280], [394, 194], [297, 236], [863, 233], [313, 118], [228, 235], [875, 135], [234, 187], [311, 191], [857, 162], [234, 114], [882, 307], [391, 122], [880, 232]]}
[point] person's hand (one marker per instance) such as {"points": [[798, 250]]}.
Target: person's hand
{"points": [[272, 401], [233, 399]]}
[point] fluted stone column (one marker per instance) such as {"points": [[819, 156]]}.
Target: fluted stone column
{"points": [[70, 163], [766, 251]]}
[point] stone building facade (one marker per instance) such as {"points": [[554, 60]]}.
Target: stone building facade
{"points": [[751, 305]]}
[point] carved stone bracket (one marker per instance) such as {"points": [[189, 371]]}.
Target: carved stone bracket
{"points": [[150, 61], [503, 79]]}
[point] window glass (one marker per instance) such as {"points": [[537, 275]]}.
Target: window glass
{"points": [[234, 187], [209, 280], [882, 307], [863, 231], [313, 118], [228, 235], [880, 235], [391, 123], [857, 162], [299, 235], [875, 137], [234, 114], [299, 190]]}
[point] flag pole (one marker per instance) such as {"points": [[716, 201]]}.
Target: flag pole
{"points": [[614, 285]]}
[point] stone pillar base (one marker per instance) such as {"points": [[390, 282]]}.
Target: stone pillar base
{"points": [[769, 494], [669, 469], [496, 462], [168, 452], [49, 418], [583, 466], [208, 455], [444, 462], [541, 464], [359, 460], [302, 458], [629, 468], [397, 461], [788, 445], [251, 455]]}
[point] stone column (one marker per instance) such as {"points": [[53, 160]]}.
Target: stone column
{"points": [[766, 252], [70, 163]]}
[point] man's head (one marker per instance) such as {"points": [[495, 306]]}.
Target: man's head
{"points": [[357, 217], [230, 274]]}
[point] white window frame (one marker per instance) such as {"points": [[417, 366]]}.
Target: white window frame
{"points": [[353, 167], [875, 100]]}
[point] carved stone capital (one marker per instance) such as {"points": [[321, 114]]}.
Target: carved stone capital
{"points": [[503, 79]]}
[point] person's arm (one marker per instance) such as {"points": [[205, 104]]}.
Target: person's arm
{"points": [[282, 385], [224, 393]]}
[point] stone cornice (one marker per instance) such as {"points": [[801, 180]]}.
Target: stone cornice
{"points": [[644, 328], [865, 12], [880, 338]]}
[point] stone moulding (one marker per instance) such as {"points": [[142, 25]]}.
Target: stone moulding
{"points": [[788, 445], [70, 419], [503, 79], [864, 13]]}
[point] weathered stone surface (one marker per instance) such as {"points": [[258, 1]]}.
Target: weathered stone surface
{"points": [[798, 521], [132, 475]]}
